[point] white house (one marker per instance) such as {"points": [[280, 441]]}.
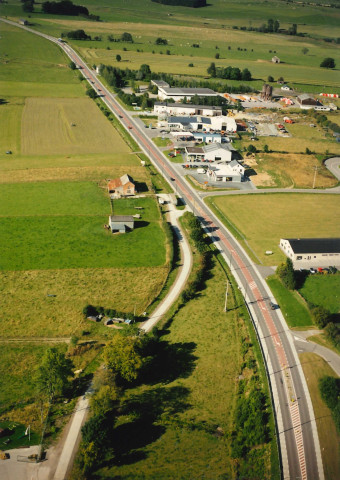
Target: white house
{"points": [[178, 94], [312, 252], [286, 88], [216, 152], [202, 124], [186, 109], [224, 173]]}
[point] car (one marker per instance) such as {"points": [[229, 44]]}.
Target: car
{"points": [[172, 179], [272, 306], [312, 270], [129, 127], [121, 116]]}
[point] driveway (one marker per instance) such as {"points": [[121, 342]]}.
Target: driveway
{"points": [[333, 165]]}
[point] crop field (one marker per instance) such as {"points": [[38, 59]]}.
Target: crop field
{"points": [[290, 170], [315, 368], [66, 126], [263, 219], [10, 121], [27, 311]]}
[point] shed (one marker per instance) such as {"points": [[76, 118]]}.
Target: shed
{"points": [[276, 59], [23, 21], [121, 223]]}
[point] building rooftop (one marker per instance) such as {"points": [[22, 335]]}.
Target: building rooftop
{"points": [[315, 245], [188, 91], [189, 106], [121, 218], [218, 146]]}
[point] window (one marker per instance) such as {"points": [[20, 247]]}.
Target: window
{"points": [[299, 257]]}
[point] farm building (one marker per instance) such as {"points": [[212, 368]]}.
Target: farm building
{"points": [[214, 152], [276, 59], [178, 94], [186, 109], [233, 172], [312, 252], [121, 223], [204, 137], [121, 187], [307, 101], [202, 124]]}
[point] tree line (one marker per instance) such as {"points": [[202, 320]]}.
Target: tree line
{"points": [[183, 3], [229, 73], [65, 7]]}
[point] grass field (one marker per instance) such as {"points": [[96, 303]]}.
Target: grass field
{"points": [[28, 312], [66, 126], [167, 428], [18, 376], [323, 290], [315, 368], [282, 216], [294, 310], [10, 123], [289, 170]]}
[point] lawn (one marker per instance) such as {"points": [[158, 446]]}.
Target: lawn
{"points": [[18, 437], [264, 219], [67, 126], [53, 198], [294, 310], [315, 368], [322, 290], [27, 311]]}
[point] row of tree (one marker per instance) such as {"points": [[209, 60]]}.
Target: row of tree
{"points": [[330, 393], [65, 7], [183, 3], [229, 73]]}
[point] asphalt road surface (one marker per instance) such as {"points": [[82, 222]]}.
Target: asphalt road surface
{"points": [[296, 428]]}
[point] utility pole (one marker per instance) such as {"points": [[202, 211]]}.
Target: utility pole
{"points": [[316, 168]]}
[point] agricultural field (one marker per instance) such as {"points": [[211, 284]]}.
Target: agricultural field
{"points": [[28, 312], [281, 216], [315, 368]]}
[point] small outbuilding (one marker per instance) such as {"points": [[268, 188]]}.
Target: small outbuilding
{"points": [[23, 21], [276, 59], [121, 187], [121, 223], [306, 101]]}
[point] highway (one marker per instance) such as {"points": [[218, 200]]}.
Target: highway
{"points": [[296, 428]]}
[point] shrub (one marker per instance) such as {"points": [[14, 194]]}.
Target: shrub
{"points": [[286, 274], [330, 391], [321, 316], [327, 63]]}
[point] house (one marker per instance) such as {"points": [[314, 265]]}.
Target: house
{"points": [[285, 87], [194, 153], [178, 94], [306, 101], [198, 123], [186, 109], [22, 21], [121, 187], [121, 223], [225, 173], [276, 59], [312, 252]]}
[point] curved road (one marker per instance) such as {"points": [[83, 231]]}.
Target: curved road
{"points": [[296, 428]]}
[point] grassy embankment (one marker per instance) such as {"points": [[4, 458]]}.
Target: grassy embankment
{"points": [[315, 368]]}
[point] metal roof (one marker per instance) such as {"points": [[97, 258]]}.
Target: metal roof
{"points": [[314, 245], [121, 218]]}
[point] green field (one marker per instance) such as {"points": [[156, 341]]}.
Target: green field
{"points": [[322, 290], [294, 310], [315, 368], [262, 220]]}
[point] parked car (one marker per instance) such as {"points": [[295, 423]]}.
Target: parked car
{"points": [[312, 270]]}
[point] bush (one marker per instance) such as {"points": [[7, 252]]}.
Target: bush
{"points": [[330, 391], [286, 274], [321, 316], [327, 63]]}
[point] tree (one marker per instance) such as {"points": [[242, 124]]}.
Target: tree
{"points": [[161, 41], [122, 357], [28, 6], [280, 79], [91, 93], [270, 25], [330, 391], [246, 75], [276, 26], [320, 315], [103, 400], [126, 37], [270, 78], [327, 63], [217, 56], [212, 70], [286, 273], [53, 373], [144, 72], [266, 149], [118, 58], [305, 50], [251, 148], [72, 66]]}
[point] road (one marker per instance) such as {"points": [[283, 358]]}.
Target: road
{"points": [[296, 428]]}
